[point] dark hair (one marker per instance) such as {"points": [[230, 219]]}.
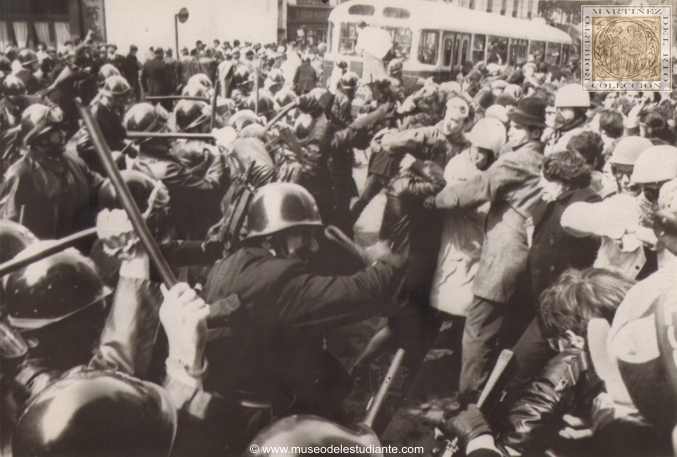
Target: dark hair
{"points": [[505, 100], [611, 123], [589, 145], [579, 296], [516, 77], [133, 48], [485, 98], [567, 167]]}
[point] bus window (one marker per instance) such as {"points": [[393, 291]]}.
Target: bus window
{"points": [[464, 49], [518, 51], [427, 49], [552, 53], [537, 49], [347, 39], [401, 38], [362, 10], [478, 48], [399, 13], [448, 45], [498, 50], [330, 37]]}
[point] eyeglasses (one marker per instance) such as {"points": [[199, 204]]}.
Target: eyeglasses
{"points": [[621, 170]]}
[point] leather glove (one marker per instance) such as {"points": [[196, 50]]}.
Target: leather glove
{"points": [[467, 426]]}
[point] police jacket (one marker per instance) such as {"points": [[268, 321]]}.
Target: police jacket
{"points": [[340, 114], [305, 79], [553, 250], [58, 194], [276, 343], [186, 186], [110, 122], [511, 185]]}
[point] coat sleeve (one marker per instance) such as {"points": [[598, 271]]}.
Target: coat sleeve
{"points": [[414, 141], [308, 299], [129, 334], [485, 187], [10, 207], [535, 418]]}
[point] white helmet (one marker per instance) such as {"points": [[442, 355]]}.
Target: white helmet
{"points": [[488, 133], [654, 165], [572, 96]]}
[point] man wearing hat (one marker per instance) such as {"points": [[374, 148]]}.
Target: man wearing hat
{"points": [[130, 71], [113, 57], [511, 185], [156, 77]]}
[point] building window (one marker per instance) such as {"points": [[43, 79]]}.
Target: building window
{"points": [[490, 6], [504, 7], [515, 8], [530, 8], [472, 4]]}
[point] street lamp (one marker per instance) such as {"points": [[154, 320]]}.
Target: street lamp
{"points": [[181, 17]]}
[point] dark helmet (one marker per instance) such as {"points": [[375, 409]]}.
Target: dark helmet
{"points": [[279, 206], [144, 117], [243, 118], [38, 119], [266, 105], [140, 185], [349, 81], [13, 86], [303, 126], [201, 79], [241, 75], [14, 238], [191, 114], [27, 57], [195, 90], [285, 97], [116, 86], [106, 71], [308, 431], [97, 413], [5, 65], [51, 289]]}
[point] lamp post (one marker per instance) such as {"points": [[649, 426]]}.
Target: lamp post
{"points": [[181, 17]]}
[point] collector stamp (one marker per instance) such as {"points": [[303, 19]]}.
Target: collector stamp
{"points": [[626, 48]]}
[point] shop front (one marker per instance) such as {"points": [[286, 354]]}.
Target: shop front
{"points": [[307, 21]]}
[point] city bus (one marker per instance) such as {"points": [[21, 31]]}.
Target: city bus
{"points": [[434, 39]]}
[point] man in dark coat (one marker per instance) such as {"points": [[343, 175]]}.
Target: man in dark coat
{"points": [[50, 190], [511, 184], [305, 78], [566, 180], [275, 357], [156, 77], [130, 70]]}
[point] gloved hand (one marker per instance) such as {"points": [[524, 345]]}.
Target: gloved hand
{"points": [[467, 426], [184, 317], [375, 252]]}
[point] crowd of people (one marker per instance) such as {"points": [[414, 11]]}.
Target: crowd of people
{"points": [[528, 213]]}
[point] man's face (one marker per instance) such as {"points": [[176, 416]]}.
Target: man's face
{"points": [[302, 245], [610, 100], [455, 115], [622, 174], [550, 190], [518, 134], [480, 156]]}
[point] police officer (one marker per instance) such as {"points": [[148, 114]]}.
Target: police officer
{"points": [[29, 65], [52, 191], [108, 110], [12, 105], [340, 114], [186, 186], [275, 357]]}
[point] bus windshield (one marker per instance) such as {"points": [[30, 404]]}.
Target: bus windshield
{"points": [[401, 39]]}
